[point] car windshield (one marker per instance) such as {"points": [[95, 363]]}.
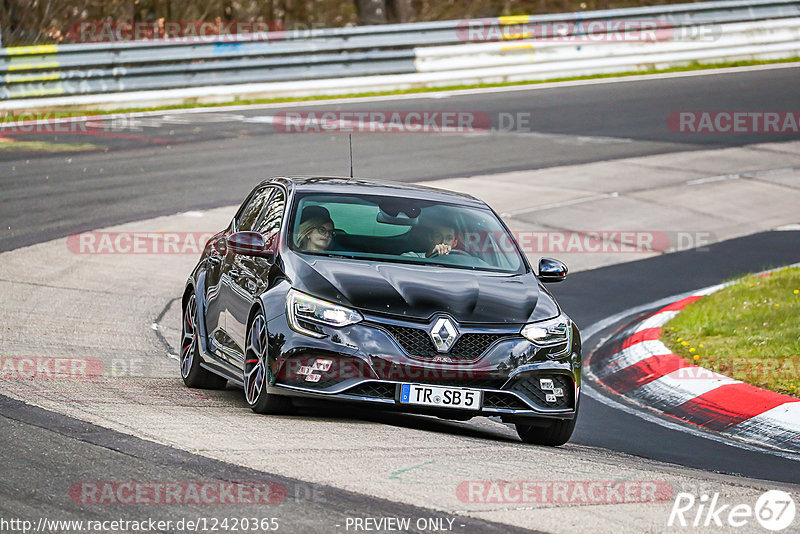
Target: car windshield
{"points": [[402, 230]]}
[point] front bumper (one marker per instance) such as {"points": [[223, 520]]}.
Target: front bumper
{"points": [[367, 362]]}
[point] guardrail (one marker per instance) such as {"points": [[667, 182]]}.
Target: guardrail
{"points": [[507, 48]]}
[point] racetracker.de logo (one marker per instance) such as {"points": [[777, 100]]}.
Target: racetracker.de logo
{"points": [[734, 122], [564, 492], [420, 121], [583, 242], [579, 31], [210, 492], [138, 242], [197, 31], [53, 368]]}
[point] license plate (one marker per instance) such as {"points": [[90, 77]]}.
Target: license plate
{"points": [[443, 397]]}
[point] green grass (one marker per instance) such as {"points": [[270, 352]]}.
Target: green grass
{"points": [[239, 102], [749, 331]]}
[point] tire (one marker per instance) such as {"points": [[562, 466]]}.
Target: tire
{"points": [[255, 371], [193, 375], [553, 432]]}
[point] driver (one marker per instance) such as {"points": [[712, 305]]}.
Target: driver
{"points": [[316, 229], [441, 239]]}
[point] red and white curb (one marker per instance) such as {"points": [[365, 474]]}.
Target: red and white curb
{"points": [[645, 371]]}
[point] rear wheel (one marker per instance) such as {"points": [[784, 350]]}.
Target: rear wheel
{"points": [[193, 375], [552, 432], [255, 372]]}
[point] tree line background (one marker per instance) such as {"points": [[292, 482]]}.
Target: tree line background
{"points": [[28, 22]]}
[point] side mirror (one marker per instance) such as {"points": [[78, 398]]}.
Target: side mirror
{"points": [[552, 270], [252, 244]]}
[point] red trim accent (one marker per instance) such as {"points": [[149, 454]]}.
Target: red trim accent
{"points": [[728, 405], [681, 304], [644, 372], [648, 334]]}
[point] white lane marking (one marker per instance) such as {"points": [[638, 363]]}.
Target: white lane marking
{"points": [[650, 418], [787, 414], [633, 355], [739, 175], [657, 320], [563, 139], [560, 204], [712, 179], [783, 420], [686, 384]]}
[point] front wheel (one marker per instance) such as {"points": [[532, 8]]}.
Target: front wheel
{"points": [[552, 432], [556, 432], [256, 366], [193, 375]]}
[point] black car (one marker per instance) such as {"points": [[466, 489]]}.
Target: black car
{"points": [[393, 295]]}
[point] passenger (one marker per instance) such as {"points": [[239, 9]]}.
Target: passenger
{"points": [[315, 231], [440, 238]]}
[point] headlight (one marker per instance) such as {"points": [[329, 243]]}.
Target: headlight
{"points": [[549, 332], [306, 309]]}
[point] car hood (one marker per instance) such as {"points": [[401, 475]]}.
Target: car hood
{"points": [[421, 291]]}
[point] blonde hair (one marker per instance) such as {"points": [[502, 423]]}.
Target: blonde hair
{"points": [[306, 227]]}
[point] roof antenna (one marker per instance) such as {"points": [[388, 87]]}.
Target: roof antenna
{"points": [[350, 137]]}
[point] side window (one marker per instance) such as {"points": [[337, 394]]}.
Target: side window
{"points": [[247, 218], [272, 214]]}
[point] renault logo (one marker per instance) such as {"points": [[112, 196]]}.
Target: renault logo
{"points": [[444, 334]]}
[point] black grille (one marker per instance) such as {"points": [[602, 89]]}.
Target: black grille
{"points": [[377, 390], [529, 387], [461, 382], [504, 401], [417, 343]]}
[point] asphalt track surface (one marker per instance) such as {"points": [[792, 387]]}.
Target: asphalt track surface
{"points": [[43, 451], [216, 163], [172, 163]]}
